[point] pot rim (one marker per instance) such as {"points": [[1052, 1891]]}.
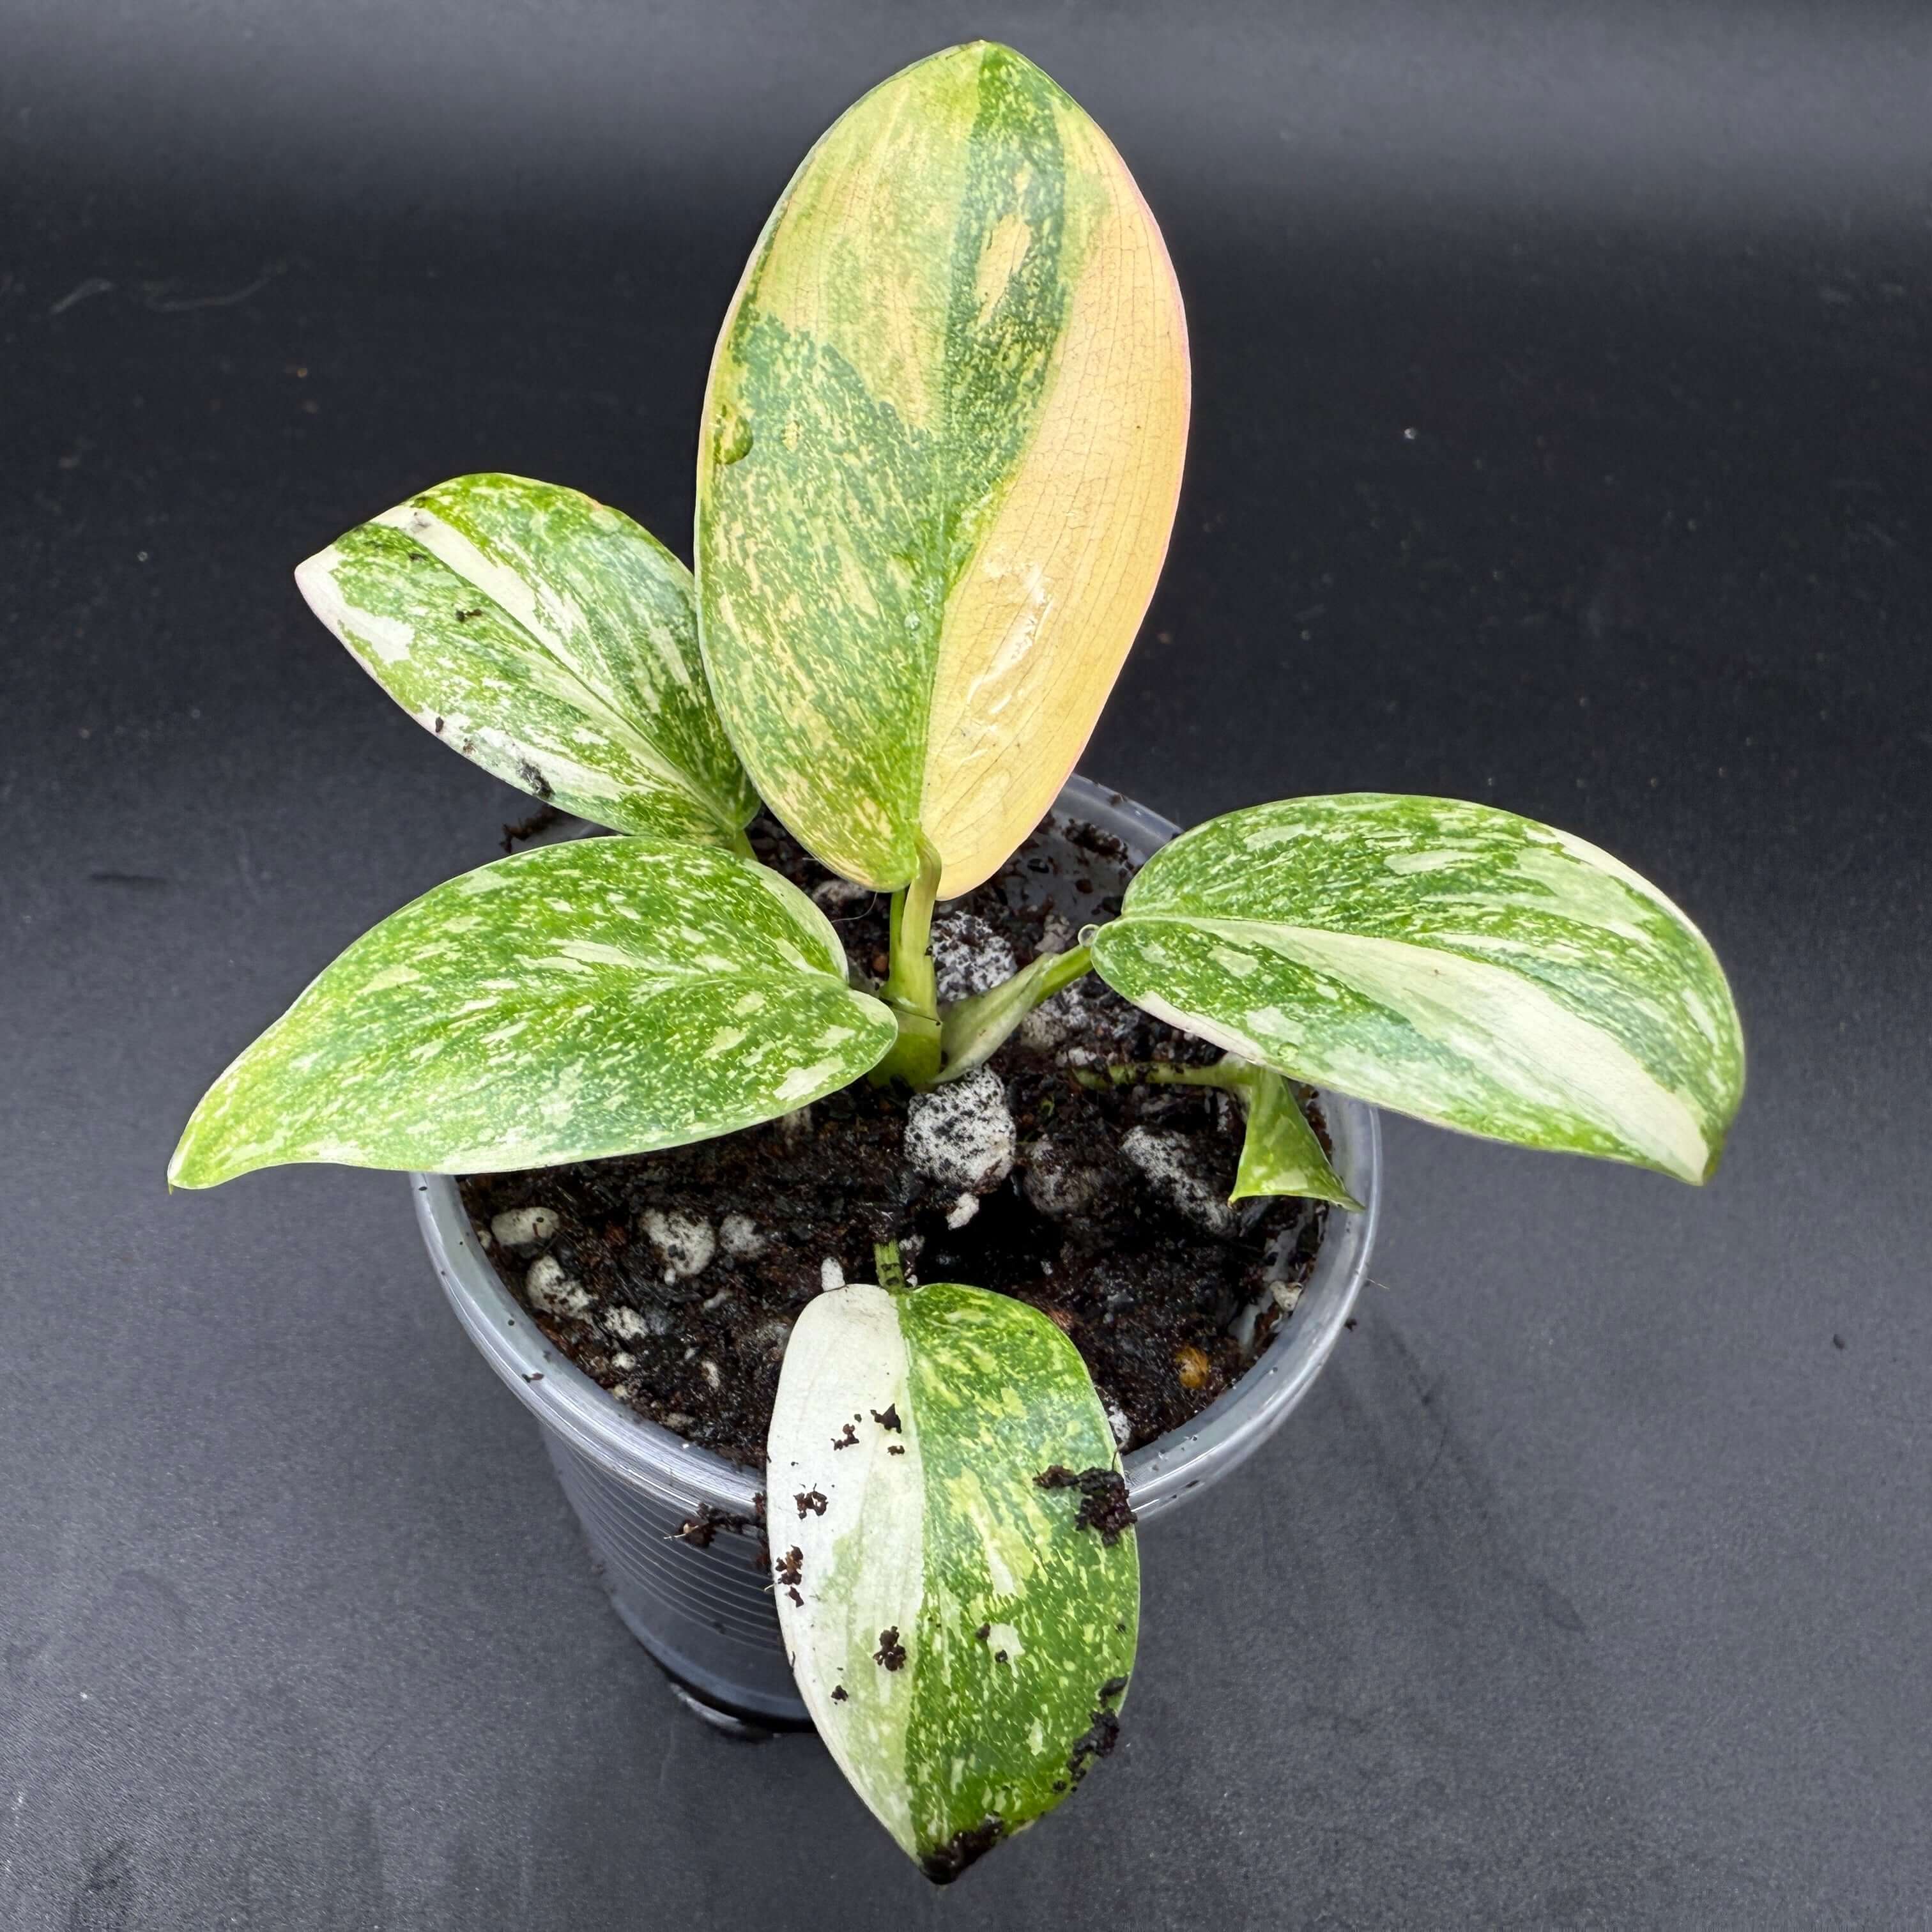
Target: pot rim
{"points": [[651, 1457]]}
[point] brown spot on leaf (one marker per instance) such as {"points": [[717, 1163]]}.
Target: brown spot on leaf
{"points": [[891, 1653]]}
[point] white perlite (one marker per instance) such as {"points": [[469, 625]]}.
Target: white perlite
{"points": [[1056, 1187], [1117, 1420], [842, 893], [739, 1234], [830, 1275], [962, 1211], [548, 1287], [768, 1338], [1052, 1023], [685, 1243], [968, 956], [523, 1227], [961, 1134], [1167, 1160]]}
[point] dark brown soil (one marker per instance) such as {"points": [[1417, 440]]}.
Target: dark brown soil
{"points": [[1166, 1310], [964, 1848]]}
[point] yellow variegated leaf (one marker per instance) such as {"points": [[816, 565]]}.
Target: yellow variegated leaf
{"points": [[942, 446]]}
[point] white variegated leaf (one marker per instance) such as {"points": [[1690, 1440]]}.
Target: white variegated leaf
{"points": [[962, 1641], [1447, 960], [606, 996], [548, 638]]}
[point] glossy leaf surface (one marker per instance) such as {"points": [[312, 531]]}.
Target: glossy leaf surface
{"points": [[942, 445], [548, 638], [962, 1642], [606, 996], [1447, 960]]}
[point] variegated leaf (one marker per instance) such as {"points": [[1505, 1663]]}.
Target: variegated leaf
{"points": [[607, 996], [549, 639], [942, 446], [961, 1640], [1447, 960], [1280, 1154]]}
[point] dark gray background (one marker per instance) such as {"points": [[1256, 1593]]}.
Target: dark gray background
{"points": [[1562, 441]]}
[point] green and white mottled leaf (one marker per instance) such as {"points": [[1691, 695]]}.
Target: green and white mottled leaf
{"points": [[1447, 960], [607, 996], [942, 446], [1280, 1154], [548, 638], [932, 1530]]}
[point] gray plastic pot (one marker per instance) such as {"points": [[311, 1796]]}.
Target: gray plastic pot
{"points": [[705, 1612]]}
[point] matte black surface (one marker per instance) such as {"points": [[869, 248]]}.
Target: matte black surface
{"points": [[1562, 441]]}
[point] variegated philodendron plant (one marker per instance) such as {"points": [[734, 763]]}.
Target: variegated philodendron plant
{"points": [[938, 462]]}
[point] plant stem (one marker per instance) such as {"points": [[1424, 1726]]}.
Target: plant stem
{"points": [[974, 1030], [889, 1267], [911, 987], [1066, 967], [1164, 1073]]}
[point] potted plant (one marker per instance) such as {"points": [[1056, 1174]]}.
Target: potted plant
{"points": [[939, 458]]}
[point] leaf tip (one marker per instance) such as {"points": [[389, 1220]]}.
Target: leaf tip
{"points": [[186, 1169], [315, 578]]}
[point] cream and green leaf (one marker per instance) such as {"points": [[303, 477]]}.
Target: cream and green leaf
{"points": [[941, 447], [960, 1643], [1447, 960], [549, 639], [608, 996]]}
